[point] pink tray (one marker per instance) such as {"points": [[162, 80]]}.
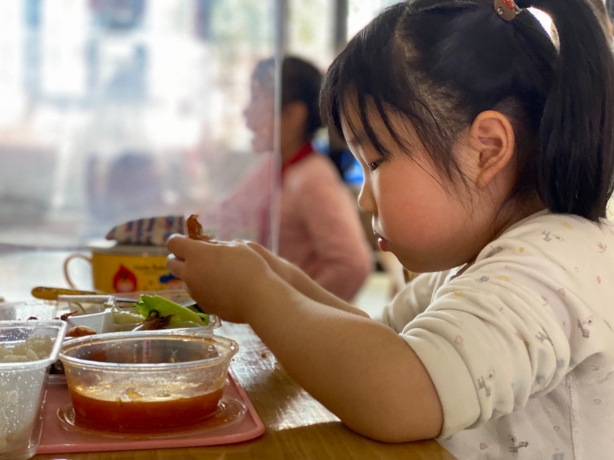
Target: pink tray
{"points": [[57, 440]]}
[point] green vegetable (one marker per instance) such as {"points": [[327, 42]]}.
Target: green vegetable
{"points": [[126, 317], [165, 307], [80, 306]]}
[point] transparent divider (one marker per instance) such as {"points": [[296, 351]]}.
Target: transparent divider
{"points": [[120, 110]]}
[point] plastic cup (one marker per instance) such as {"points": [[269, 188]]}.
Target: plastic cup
{"points": [[22, 387]]}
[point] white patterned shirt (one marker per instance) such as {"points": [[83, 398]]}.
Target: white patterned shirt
{"points": [[520, 345]]}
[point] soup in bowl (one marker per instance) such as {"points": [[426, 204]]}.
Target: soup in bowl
{"points": [[146, 381]]}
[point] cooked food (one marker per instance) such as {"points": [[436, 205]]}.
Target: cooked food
{"points": [[158, 382], [126, 318], [80, 331], [65, 316], [133, 414], [195, 230], [32, 349], [160, 312], [154, 321]]}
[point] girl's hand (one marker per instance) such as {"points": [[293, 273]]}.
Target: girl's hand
{"points": [[224, 278], [284, 269], [299, 280]]}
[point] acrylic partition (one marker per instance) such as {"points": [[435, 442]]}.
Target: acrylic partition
{"points": [[114, 110]]}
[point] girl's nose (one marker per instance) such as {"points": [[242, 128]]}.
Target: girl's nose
{"points": [[365, 198]]}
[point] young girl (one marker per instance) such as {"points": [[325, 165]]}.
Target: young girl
{"points": [[488, 157]]}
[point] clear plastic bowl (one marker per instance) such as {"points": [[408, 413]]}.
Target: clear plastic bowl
{"points": [[146, 381], [22, 385]]}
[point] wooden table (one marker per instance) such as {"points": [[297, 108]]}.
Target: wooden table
{"points": [[297, 426]]}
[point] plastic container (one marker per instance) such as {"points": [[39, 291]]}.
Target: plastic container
{"points": [[126, 317], [22, 385], [93, 311], [22, 311], [143, 382], [104, 314]]}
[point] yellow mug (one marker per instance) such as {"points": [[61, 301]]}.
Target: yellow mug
{"points": [[120, 268]]}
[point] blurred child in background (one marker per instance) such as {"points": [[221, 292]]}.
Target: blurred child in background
{"points": [[297, 200]]}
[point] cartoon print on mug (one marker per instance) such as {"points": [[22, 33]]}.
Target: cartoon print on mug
{"points": [[171, 282], [124, 280]]}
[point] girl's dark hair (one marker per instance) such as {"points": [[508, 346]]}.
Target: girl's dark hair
{"points": [[439, 63], [300, 81], [601, 12]]}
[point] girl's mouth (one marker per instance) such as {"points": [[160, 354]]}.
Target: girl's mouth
{"points": [[382, 242]]}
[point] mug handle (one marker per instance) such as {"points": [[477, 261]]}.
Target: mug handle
{"points": [[67, 261]]}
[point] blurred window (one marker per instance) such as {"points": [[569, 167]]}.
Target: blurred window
{"points": [[119, 109], [361, 12], [309, 28]]}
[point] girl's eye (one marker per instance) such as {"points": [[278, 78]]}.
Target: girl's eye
{"points": [[373, 166]]}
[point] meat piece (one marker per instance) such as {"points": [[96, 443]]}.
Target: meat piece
{"points": [[195, 230], [80, 331], [154, 322], [65, 316]]}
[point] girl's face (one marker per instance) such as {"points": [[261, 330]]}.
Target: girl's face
{"points": [[417, 214], [260, 117], [260, 120]]}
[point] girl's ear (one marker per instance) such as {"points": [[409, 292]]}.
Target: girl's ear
{"points": [[494, 141]]}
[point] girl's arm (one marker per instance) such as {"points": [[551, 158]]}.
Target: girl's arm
{"points": [[361, 370], [303, 283]]}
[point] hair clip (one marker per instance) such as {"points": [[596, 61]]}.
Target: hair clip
{"points": [[507, 9]]}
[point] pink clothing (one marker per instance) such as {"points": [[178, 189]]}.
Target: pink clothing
{"points": [[249, 212], [320, 230], [318, 222]]}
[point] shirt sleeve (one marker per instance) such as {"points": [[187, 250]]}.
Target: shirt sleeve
{"points": [[489, 341], [412, 300]]}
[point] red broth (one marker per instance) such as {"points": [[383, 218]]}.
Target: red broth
{"points": [[141, 416]]}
